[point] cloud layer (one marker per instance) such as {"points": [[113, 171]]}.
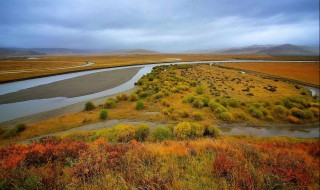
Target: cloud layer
{"points": [[163, 25]]}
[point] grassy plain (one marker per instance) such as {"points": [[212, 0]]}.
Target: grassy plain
{"points": [[202, 94], [110, 60], [304, 71]]}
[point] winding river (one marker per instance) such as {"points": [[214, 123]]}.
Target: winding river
{"points": [[15, 110]]}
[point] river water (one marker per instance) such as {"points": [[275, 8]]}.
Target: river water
{"points": [[20, 109]]}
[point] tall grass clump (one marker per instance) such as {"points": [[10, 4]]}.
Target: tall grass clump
{"points": [[133, 97], [89, 106], [199, 90], [198, 116], [122, 97]]}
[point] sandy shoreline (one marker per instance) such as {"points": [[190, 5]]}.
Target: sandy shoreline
{"points": [[74, 87], [74, 108]]}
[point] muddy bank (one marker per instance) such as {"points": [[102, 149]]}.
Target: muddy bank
{"points": [[74, 108], [74, 87]]}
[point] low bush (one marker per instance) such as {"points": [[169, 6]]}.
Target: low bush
{"points": [[211, 130], [133, 97], [89, 106], [122, 97], [299, 113], [139, 105], [280, 111], [124, 133], [183, 130], [142, 132], [20, 127], [184, 113], [110, 103], [233, 103], [103, 114], [241, 116], [198, 103], [197, 130], [255, 112], [161, 134], [315, 111], [199, 90], [225, 116], [198, 116], [308, 114], [293, 119], [190, 98], [213, 105], [220, 110], [10, 133], [205, 102]]}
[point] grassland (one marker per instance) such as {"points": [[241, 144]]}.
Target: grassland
{"points": [[203, 94], [305, 71], [186, 152], [109, 60]]}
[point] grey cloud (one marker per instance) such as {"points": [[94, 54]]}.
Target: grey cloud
{"points": [[159, 25]]}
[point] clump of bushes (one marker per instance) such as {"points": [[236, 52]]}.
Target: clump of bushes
{"points": [[110, 103], [185, 130], [103, 114], [220, 110], [89, 106], [161, 134], [198, 116], [302, 114], [142, 132], [139, 105], [10, 133]]}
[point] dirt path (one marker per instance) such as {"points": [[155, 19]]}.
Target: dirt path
{"points": [[97, 126]]}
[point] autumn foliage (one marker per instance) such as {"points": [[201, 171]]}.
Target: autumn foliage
{"points": [[227, 162]]}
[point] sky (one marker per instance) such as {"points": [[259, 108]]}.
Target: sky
{"points": [[160, 25]]}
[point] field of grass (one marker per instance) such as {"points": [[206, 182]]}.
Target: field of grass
{"points": [[305, 72], [110, 60], [201, 93], [204, 163]]}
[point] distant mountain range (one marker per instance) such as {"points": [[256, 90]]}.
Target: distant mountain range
{"points": [[285, 49], [136, 51], [24, 52]]}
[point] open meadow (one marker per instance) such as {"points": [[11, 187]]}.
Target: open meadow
{"points": [[51, 65]]}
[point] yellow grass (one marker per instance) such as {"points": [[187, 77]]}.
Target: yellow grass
{"points": [[305, 72], [104, 61]]}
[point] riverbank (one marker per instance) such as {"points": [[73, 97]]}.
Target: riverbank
{"points": [[74, 87]]}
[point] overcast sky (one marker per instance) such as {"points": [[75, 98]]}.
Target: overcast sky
{"points": [[162, 25]]}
